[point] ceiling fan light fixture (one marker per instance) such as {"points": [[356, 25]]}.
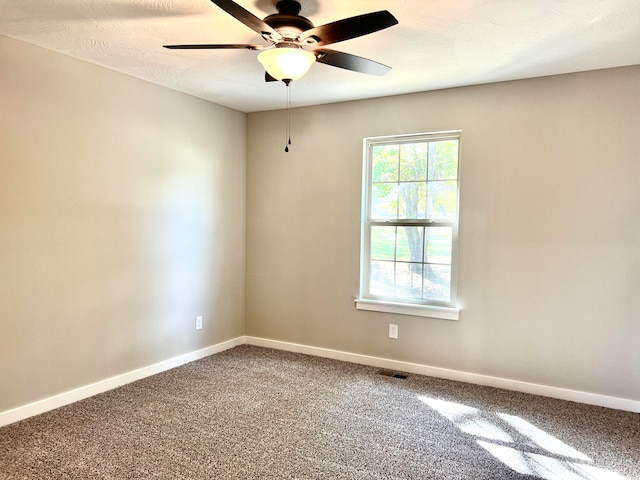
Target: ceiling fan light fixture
{"points": [[286, 63]]}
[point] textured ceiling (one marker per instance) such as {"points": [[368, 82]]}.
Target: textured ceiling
{"points": [[437, 44]]}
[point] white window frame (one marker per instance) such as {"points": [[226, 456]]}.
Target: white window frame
{"points": [[366, 301]]}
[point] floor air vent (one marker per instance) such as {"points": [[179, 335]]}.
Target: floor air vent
{"points": [[391, 373]]}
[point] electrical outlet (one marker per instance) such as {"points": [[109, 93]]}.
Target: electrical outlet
{"points": [[393, 331], [199, 322]]}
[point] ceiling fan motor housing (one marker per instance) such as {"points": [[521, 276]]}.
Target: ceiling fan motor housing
{"points": [[287, 21]]}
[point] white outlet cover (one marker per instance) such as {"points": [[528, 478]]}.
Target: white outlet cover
{"points": [[393, 330], [199, 323]]}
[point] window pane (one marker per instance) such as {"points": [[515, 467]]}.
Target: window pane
{"points": [[413, 161], [381, 280], [443, 160], [438, 244], [384, 200], [385, 163], [409, 245], [409, 280], [383, 243], [441, 200], [413, 200], [437, 281]]}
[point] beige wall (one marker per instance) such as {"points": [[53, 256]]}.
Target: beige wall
{"points": [[122, 217], [549, 275]]}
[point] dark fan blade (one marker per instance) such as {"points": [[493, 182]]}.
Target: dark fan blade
{"points": [[350, 62], [213, 46], [269, 78], [248, 18], [349, 28]]}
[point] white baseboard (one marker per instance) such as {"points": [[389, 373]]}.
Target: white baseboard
{"points": [[66, 398], [515, 385], [47, 404]]}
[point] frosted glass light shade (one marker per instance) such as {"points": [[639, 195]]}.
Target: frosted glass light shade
{"points": [[286, 63]]}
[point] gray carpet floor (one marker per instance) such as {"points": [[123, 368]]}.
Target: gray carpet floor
{"points": [[256, 413]]}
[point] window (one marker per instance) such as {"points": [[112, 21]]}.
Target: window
{"points": [[410, 224]]}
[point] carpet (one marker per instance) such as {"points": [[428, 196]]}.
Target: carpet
{"points": [[257, 413]]}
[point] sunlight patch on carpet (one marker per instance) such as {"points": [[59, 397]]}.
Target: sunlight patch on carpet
{"points": [[520, 445]]}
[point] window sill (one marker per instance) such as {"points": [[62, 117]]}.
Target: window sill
{"points": [[444, 313]]}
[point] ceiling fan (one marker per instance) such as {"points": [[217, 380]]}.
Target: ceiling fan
{"points": [[294, 43]]}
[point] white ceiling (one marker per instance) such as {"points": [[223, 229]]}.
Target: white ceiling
{"points": [[437, 44]]}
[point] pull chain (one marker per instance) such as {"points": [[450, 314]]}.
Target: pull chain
{"points": [[288, 119]]}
